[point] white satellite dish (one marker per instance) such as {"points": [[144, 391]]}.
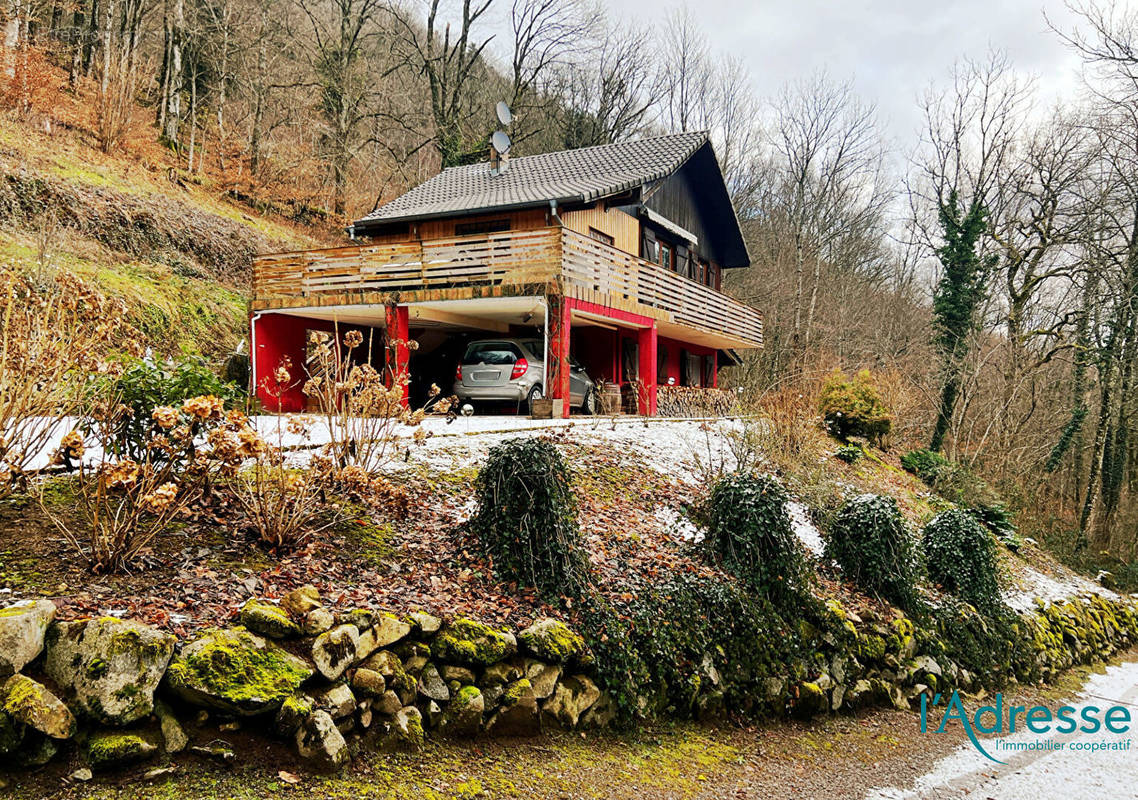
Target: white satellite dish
{"points": [[500, 141], [505, 116]]}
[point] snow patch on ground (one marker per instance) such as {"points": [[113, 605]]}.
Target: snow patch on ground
{"points": [[1034, 774], [806, 531], [1032, 584], [678, 525]]}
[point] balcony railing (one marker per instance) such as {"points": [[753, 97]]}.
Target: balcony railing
{"points": [[562, 260]]}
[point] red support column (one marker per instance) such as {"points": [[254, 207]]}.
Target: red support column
{"points": [[646, 346], [398, 353], [557, 359], [278, 340]]}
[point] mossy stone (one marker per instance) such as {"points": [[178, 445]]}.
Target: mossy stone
{"points": [[268, 620], [551, 640], [29, 702], [472, 644], [237, 672], [107, 749]]}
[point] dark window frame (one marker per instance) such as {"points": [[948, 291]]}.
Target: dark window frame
{"points": [[602, 237], [482, 226]]}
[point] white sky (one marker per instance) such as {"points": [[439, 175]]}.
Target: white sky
{"points": [[891, 49]]}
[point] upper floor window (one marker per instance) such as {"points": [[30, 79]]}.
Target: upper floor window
{"points": [[666, 253], [601, 236], [481, 226]]}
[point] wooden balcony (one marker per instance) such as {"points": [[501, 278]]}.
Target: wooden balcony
{"points": [[552, 260]]}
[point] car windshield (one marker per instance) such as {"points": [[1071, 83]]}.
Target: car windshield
{"points": [[497, 353]]}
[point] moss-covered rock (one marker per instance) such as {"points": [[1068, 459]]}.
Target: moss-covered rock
{"points": [[29, 703], [268, 620], [11, 734], [293, 712], [551, 640], [107, 749], [518, 714], [463, 715], [237, 672], [472, 644], [111, 667]]}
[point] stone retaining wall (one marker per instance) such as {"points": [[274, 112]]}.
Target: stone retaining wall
{"points": [[328, 681]]}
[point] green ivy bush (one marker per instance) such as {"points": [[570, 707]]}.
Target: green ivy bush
{"points": [[961, 556], [874, 548], [689, 646], [527, 518], [853, 407], [849, 453], [750, 535], [146, 384], [925, 464]]}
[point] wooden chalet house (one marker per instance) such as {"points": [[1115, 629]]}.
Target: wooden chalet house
{"points": [[615, 254]]}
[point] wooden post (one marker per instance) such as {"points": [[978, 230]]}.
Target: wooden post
{"points": [[646, 346], [398, 353], [557, 364]]}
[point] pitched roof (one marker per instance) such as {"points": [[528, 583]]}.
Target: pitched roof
{"points": [[581, 175]]}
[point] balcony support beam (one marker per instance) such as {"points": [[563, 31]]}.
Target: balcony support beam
{"points": [[646, 347], [398, 352], [557, 360]]}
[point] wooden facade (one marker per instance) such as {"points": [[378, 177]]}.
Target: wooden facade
{"points": [[543, 261]]}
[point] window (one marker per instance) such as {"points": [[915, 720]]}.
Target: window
{"points": [[493, 353], [482, 226], [601, 236], [665, 255]]}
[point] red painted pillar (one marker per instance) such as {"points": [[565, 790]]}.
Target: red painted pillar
{"points": [[398, 352], [557, 360], [646, 346], [278, 340]]}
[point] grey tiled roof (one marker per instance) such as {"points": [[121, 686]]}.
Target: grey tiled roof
{"points": [[565, 176]]}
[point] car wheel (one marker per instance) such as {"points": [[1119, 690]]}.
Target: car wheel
{"points": [[589, 404], [534, 394]]}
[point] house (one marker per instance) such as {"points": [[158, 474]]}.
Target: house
{"points": [[614, 255]]}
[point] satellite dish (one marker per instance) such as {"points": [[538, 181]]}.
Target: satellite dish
{"points": [[505, 116], [500, 141]]}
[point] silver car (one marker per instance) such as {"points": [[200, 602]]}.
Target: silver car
{"points": [[511, 371]]}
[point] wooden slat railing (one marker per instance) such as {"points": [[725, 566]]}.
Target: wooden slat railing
{"points": [[512, 258], [588, 269], [596, 267]]}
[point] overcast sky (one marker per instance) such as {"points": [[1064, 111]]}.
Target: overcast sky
{"points": [[891, 49]]}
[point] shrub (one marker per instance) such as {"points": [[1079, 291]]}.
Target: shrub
{"points": [[360, 407], [961, 557], [854, 407], [669, 644], [146, 384], [925, 464], [55, 338], [849, 453], [750, 534], [527, 517], [873, 546], [125, 503]]}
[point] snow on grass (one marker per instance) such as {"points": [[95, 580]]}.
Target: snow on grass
{"points": [[806, 531], [1031, 584], [1073, 774], [677, 525]]}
